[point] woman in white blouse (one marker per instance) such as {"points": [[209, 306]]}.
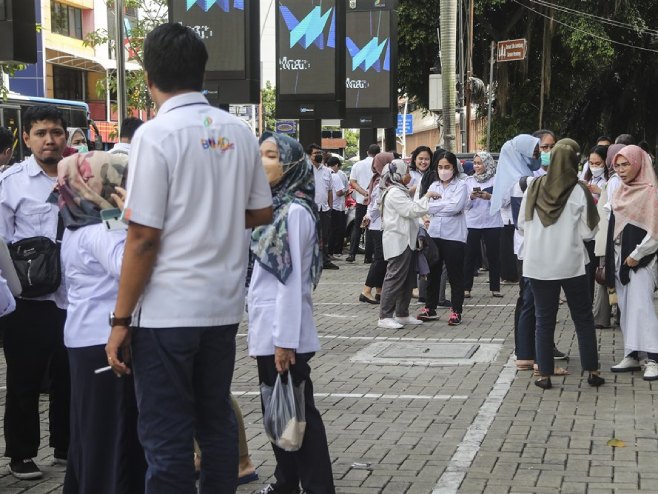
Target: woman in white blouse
{"points": [[400, 216], [448, 230], [482, 225], [557, 215]]}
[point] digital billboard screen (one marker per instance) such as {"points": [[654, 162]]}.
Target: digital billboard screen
{"points": [[368, 59], [306, 47], [222, 27]]}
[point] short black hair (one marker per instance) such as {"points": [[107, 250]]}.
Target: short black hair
{"points": [[542, 132], [129, 126], [417, 151], [625, 139], [311, 147], [175, 58], [334, 160], [6, 139], [644, 145], [37, 113], [603, 138], [374, 150]]}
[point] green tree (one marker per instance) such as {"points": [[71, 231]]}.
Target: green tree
{"points": [[8, 69], [268, 95], [152, 13], [352, 138]]}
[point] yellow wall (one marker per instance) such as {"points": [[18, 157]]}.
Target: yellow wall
{"points": [[64, 43]]}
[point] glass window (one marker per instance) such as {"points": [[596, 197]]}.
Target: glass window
{"points": [[66, 20]]}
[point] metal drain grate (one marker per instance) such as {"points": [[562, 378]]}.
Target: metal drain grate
{"points": [[422, 353]]}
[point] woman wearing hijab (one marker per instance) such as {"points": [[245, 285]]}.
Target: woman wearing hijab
{"points": [[519, 157], [77, 140], [557, 215], [400, 216], [372, 221], [104, 454], [282, 333], [631, 256], [481, 224]]}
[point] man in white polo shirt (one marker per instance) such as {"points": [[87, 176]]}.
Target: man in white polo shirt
{"points": [[195, 183], [360, 177], [323, 199]]}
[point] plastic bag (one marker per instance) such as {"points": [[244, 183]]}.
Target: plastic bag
{"points": [[284, 417]]}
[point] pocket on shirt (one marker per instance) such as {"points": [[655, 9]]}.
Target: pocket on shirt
{"points": [[39, 216]]}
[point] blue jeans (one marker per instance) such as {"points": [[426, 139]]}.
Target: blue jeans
{"points": [[183, 383], [547, 300]]}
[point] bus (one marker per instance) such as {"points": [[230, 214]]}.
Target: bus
{"points": [[76, 114]]}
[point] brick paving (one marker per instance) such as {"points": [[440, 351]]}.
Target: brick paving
{"points": [[420, 429]]}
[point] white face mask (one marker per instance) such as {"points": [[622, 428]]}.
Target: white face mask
{"points": [[597, 172], [445, 175]]}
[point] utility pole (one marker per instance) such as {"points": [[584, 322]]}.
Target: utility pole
{"points": [[448, 23], [121, 64], [490, 94], [469, 73]]}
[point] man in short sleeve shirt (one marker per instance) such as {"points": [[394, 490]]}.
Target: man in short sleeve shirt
{"points": [[359, 180], [323, 200], [34, 333], [195, 183]]}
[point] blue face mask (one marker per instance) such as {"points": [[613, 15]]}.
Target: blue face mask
{"points": [[534, 164], [545, 158]]}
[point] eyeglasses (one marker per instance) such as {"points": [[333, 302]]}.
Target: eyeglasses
{"points": [[545, 147], [623, 164]]}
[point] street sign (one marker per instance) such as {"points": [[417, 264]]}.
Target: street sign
{"points": [[408, 123], [512, 49], [286, 126]]}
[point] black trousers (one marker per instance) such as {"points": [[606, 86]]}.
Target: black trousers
{"points": [[34, 348], [377, 270], [311, 465], [105, 455], [338, 224], [491, 237], [507, 257], [451, 253], [325, 225], [360, 212], [590, 267]]}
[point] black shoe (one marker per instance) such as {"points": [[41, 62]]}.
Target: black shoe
{"points": [[329, 265], [544, 383], [595, 380], [273, 489], [367, 261], [24, 469], [367, 300], [446, 303], [349, 258], [378, 297], [558, 355]]}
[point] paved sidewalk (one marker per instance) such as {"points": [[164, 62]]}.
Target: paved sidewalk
{"points": [[400, 421]]}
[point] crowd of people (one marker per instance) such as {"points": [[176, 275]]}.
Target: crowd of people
{"points": [[183, 203]]}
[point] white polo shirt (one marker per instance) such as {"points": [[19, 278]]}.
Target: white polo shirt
{"points": [[322, 176], [338, 184], [193, 172], [362, 173]]}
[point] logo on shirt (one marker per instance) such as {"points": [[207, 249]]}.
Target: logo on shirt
{"points": [[219, 143], [207, 122]]}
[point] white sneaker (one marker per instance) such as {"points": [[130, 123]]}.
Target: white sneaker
{"points": [[389, 323], [650, 371], [629, 364], [408, 320]]}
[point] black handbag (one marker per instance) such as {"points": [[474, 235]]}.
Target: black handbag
{"points": [[37, 263]]}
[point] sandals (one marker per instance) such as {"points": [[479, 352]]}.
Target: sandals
{"points": [[524, 365], [557, 371]]}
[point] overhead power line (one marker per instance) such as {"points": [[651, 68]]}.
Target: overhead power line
{"points": [[575, 28]]}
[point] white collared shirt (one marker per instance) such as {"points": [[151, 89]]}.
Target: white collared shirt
{"points": [[281, 314], [339, 183], [557, 251], [193, 172], [120, 148], [362, 173], [478, 214], [322, 176], [373, 212], [24, 212], [400, 226], [447, 219], [91, 262]]}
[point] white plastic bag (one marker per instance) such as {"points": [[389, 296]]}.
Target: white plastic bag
{"points": [[284, 418]]}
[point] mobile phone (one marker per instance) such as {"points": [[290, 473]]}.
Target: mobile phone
{"points": [[477, 190], [112, 219]]}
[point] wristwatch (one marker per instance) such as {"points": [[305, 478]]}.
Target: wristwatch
{"points": [[120, 321]]}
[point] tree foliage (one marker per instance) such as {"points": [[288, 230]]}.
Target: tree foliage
{"points": [[593, 85], [268, 95]]}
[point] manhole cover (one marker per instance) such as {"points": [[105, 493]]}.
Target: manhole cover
{"points": [[429, 350], [426, 353]]}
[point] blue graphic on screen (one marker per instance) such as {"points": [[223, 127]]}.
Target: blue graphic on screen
{"points": [[222, 4], [368, 64], [306, 47], [370, 55], [311, 28]]}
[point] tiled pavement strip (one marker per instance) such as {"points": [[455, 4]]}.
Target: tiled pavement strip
{"points": [[443, 429]]}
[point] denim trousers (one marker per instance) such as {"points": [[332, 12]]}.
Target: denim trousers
{"points": [[183, 384], [547, 300]]}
